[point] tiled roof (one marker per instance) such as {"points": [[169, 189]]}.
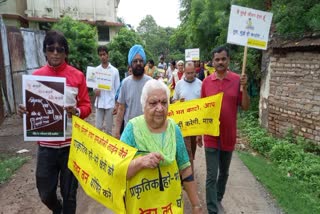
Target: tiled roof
{"points": [[312, 40]]}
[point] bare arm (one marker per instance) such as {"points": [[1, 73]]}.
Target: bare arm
{"points": [[119, 118], [245, 102], [192, 191]]}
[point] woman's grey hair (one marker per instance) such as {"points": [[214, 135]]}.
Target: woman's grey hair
{"points": [[150, 86], [180, 62]]}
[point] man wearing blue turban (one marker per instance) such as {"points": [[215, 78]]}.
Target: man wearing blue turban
{"points": [[130, 92], [134, 50]]}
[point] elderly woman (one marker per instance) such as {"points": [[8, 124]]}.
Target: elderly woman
{"points": [[153, 178]]}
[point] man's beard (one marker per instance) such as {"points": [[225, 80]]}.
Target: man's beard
{"points": [[138, 71]]}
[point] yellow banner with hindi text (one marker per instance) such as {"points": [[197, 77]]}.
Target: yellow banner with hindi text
{"points": [[100, 163], [199, 116], [149, 193]]}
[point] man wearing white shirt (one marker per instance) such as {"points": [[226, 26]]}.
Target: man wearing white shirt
{"points": [[188, 88], [105, 99]]}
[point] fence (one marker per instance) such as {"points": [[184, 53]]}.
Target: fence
{"points": [[20, 53]]}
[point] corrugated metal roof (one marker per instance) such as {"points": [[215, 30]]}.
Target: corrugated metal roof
{"points": [[308, 41]]}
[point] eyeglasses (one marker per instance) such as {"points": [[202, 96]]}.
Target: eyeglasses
{"points": [[53, 48], [135, 61]]}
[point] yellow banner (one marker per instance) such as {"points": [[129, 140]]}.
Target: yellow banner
{"points": [[198, 117], [100, 163], [149, 193]]}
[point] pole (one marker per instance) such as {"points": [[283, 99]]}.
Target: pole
{"points": [[244, 63]]}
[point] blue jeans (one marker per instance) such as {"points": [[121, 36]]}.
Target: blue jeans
{"points": [[217, 163], [52, 164]]}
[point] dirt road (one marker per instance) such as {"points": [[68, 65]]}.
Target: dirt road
{"points": [[244, 194], [19, 195]]}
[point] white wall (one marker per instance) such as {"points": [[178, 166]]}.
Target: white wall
{"points": [[92, 10]]}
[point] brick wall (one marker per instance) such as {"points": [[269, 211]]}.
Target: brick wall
{"points": [[290, 94]]}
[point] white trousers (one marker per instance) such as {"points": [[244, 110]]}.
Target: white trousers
{"points": [[104, 116]]}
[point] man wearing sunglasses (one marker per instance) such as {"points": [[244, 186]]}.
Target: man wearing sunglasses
{"points": [[129, 97], [52, 157]]}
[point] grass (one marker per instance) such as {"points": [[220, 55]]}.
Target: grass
{"points": [[290, 193], [9, 164]]}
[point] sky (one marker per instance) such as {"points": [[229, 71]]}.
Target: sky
{"points": [[164, 12]]}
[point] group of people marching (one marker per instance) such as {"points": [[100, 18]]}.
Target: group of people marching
{"points": [[139, 105]]}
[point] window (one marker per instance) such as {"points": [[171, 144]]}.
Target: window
{"points": [[103, 33], [45, 26]]}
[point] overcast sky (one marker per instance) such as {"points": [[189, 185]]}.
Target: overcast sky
{"points": [[165, 12]]}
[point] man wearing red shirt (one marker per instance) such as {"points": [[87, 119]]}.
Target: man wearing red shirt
{"points": [[218, 150], [52, 157]]}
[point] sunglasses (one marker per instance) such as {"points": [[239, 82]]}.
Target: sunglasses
{"points": [[53, 48], [135, 61]]}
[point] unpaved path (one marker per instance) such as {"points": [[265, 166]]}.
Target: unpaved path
{"points": [[244, 195]]}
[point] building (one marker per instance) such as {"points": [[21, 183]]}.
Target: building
{"points": [[41, 14], [290, 89]]}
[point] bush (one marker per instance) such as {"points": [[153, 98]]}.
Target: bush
{"points": [[263, 144], [295, 156], [82, 40]]}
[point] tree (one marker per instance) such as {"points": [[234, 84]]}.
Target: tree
{"points": [[82, 40], [185, 10], [119, 48], [156, 38], [295, 16]]}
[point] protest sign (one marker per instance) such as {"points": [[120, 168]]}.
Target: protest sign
{"points": [[100, 163], [249, 27], [192, 54], [98, 79], [44, 98], [199, 116]]}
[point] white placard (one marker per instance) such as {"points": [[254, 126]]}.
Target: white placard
{"points": [[98, 79], [249, 27], [192, 54]]}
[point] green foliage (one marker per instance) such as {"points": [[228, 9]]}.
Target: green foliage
{"points": [[178, 40], [295, 156], [308, 146], [295, 16], [156, 39], [119, 48], [8, 165], [204, 25], [313, 17], [294, 195], [284, 152], [294, 160], [82, 40]]}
